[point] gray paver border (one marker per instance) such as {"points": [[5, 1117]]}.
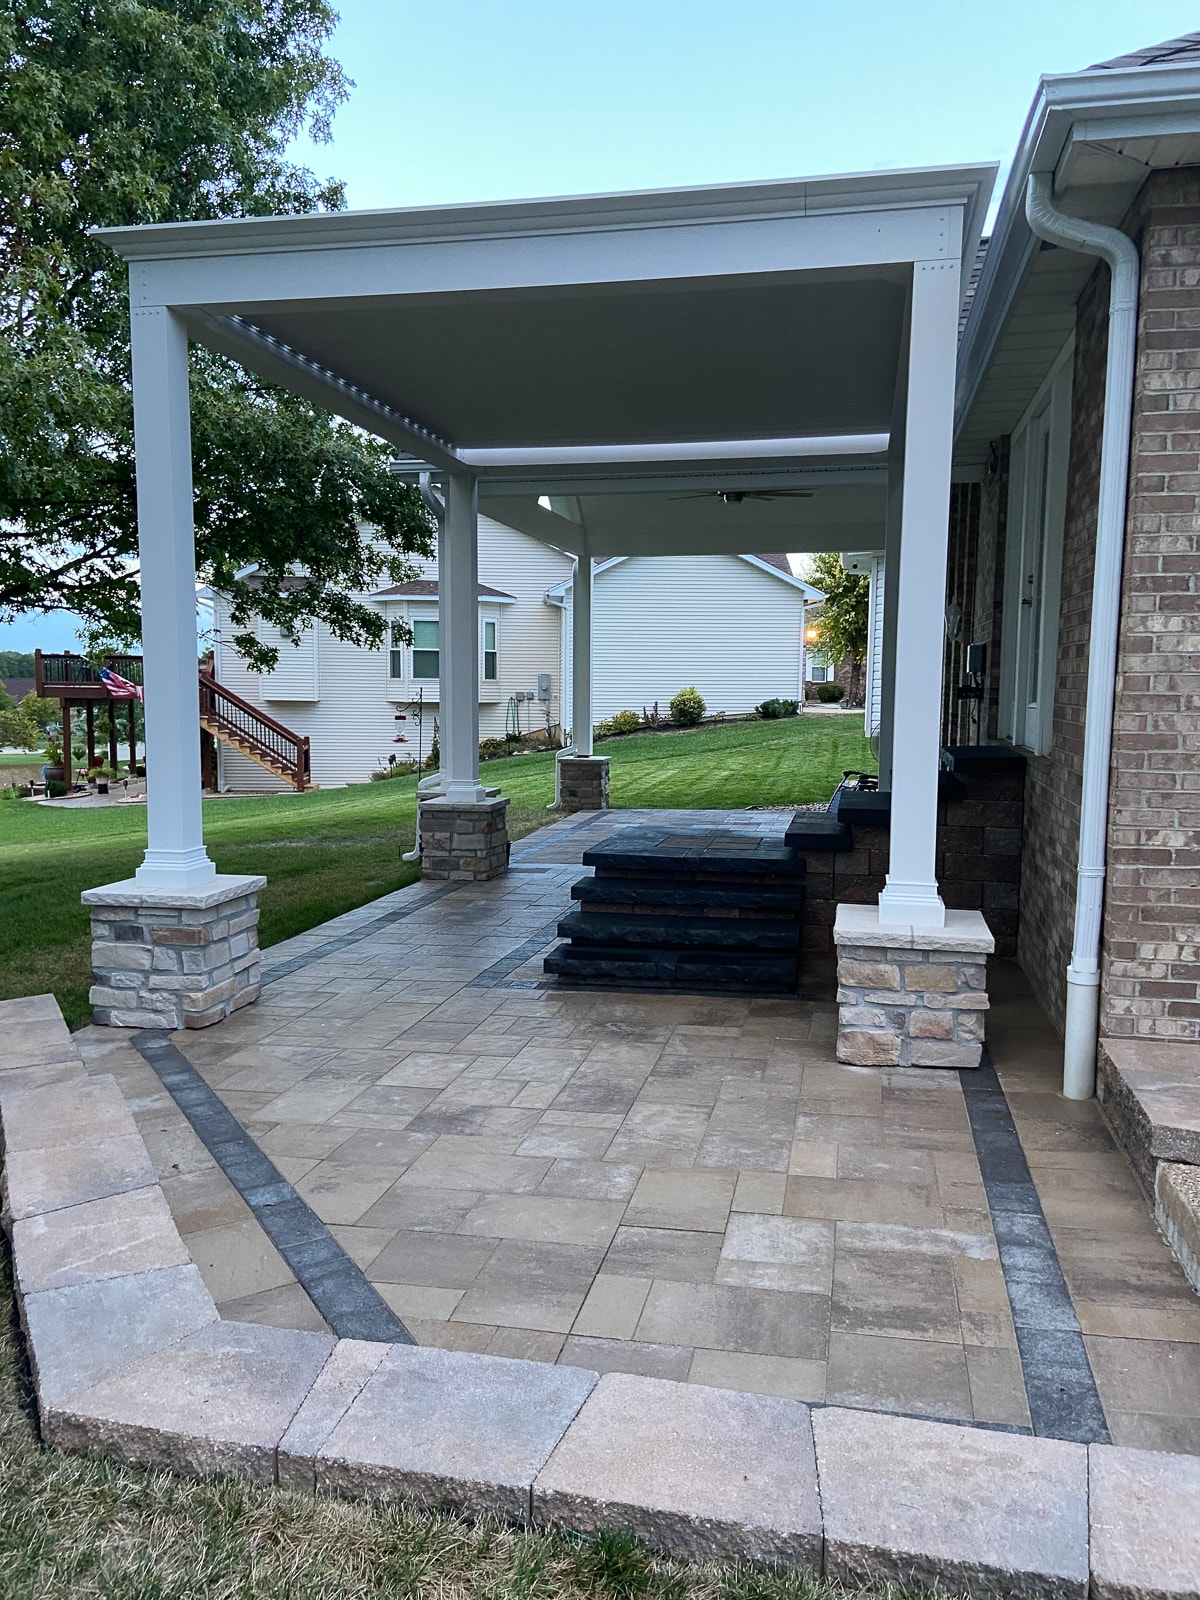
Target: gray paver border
{"points": [[184, 1395]]}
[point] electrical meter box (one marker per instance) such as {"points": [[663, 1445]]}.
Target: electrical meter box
{"points": [[543, 686]]}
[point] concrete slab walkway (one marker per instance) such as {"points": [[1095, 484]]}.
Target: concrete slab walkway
{"points": [[675, 1186]]}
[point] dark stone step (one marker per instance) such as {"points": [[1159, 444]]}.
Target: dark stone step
{"points": [[785, 899], [817, 830], [590, 928], [658, 852], [665, 968]]}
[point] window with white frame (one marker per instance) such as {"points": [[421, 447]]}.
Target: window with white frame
{"points": [[817, 668], [426, 657], [489, 653], [1037, 501], [396, 651]]}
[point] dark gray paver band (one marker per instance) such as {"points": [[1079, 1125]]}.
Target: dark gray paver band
{"points": [[1064, 1402], [335, 1285]]}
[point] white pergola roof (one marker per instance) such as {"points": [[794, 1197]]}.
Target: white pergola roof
{"points": [[624, 350]]}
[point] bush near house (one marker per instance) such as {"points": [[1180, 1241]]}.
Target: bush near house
{"points": [[687, 707], [829, 693], [620, 722], [771, 709]]}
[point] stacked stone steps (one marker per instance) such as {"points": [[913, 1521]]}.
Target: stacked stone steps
{"points": [[708, 910]]}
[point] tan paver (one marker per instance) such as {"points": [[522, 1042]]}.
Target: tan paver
{"points": [[657, 1175]]}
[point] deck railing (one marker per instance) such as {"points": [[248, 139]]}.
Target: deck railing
{"points": [[66, 670]]}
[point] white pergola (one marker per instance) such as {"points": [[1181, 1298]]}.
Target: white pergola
{"points": [[608, 374]]}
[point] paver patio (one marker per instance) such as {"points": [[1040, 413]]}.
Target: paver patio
{"points": [[679, 1186]]}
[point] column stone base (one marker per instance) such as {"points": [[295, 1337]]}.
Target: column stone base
{"points": [[174, 958], [467, 842], [583, 783], [911, 996]]}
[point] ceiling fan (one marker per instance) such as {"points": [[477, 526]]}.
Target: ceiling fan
{"points": [[734, 497]]}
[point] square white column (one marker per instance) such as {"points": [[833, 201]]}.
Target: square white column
{"points": [[458, 614], [910, 896], [175, 857], [581, 656]]}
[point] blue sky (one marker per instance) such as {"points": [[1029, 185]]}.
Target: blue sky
{"points": [[478, 100]]}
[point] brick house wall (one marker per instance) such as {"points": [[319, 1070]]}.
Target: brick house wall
{"points": [[1151, 971], [1151, 946]]}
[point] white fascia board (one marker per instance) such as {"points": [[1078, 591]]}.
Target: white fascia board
{"points": [[1122, 98], [784, 577], [230, 279], [561, 590], [900, 189]]}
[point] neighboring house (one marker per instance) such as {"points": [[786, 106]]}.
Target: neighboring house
{"points": [[731, 625], [18, 688]]}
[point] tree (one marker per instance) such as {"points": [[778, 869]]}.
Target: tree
{"points": [[125, 111], [841, 620], [19, 729]]}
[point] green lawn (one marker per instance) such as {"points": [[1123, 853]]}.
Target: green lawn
{"points": [[327, 852]]}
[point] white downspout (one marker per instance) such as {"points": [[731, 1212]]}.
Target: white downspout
{"points": [[1083, 975]]}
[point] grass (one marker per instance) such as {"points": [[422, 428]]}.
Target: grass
{"points": [[326, 852], [85, 1529]]}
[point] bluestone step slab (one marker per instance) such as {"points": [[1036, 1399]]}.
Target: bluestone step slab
{"points": [[82, 1334], [108, 1238], [219, 1401], [700, 1473], [437, 1427], [1145, 1524], [929, 1502]]}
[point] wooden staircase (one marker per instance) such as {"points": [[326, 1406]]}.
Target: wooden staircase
{"points": [[248, 730]]}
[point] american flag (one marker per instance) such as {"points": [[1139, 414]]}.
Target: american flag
{"points": [[118, 687]]}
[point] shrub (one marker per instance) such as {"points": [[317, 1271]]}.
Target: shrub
{"points": [[828, 693], [687, 707], [56, 790], [651, 718], [778, 708], [489, 749]]}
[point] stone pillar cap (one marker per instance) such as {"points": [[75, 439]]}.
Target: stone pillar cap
{"points": [[965, 932], [129, 892]]}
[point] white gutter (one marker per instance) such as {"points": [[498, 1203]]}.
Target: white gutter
{"points": [[1083, 975]]}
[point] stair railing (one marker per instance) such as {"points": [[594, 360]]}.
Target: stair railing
{"points": [[265, 737]]}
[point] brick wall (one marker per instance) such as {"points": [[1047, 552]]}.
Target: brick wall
{"points": [[1151, 954], [1151, 969]]}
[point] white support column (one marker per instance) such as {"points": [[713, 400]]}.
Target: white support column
{"points": [[581, 656], [891, 586], [458, 613], [911, 893], [175, 857]]}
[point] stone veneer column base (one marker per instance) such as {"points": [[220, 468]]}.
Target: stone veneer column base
{"points": [[467, 841], [174, 958], [583, 783], [911, 996]]}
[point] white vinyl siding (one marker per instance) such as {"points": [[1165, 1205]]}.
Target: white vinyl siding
{"points": [[662, 623], [1037, 499], [296, 675]]}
